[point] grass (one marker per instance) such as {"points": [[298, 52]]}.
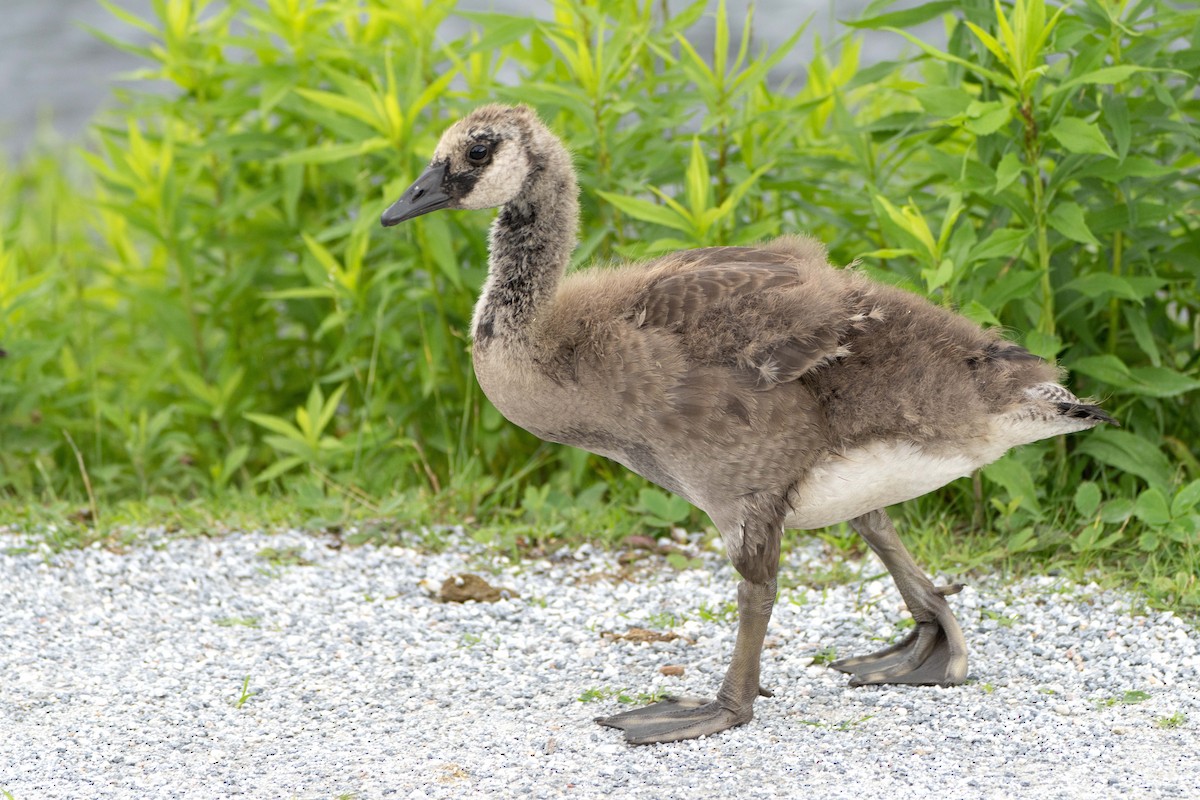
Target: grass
{"points": [[825, 656], [284, 556], [1176, 720], [245, 693], [665, 620], [623, 696], [939, 546], [725, 613], [1128, 698], [846, 725], [1004, 620]]}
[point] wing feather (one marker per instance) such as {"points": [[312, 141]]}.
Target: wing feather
{"points": [[750, 309]]}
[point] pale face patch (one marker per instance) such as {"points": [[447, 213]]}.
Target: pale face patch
{"points": [[501, 180]]}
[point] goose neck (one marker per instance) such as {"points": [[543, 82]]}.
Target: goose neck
{"points": [[531, 243]]}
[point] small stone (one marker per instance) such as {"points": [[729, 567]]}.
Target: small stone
{"points": [[671, 670]]}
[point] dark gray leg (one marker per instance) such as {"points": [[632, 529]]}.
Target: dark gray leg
{"points": [[687, 718], [935, 652]]}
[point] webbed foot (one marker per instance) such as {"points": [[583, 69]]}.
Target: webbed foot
{"points": [[933, 654], [923, 658], [674, 719], [687, 718]]}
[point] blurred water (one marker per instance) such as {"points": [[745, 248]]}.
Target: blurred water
{"points": [[55, 74]]}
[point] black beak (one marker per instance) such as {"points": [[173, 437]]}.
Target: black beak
{"points": [[423, 196]]}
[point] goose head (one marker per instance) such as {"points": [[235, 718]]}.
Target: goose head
{"points": [[482, 161]]}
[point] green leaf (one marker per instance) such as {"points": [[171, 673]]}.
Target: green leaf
{"points": [[1148, 540], [330, 407], [1044, 345], [231, 464], [1087, 498], [325, 258], [301, 293], [329, 153], [907, 17], [943, 101], [1017, 283], [278, 468], [1130, 453], [1002, 243], [1103, 75], [697, 179], [1140, 328], [1067, 218], [1151, 507], [987, 118], [1116, 511], [1016, 480], [438, 243], [889, 252], [498, 29], [979, 313], [1116, 113], [1079, 136], [343, 105], [1103, 284], [996, 77], [1106, 367], [936, 278], [276, 424], [1186, 499], [1007, 171], [661, 509], [1162, 382], [648, 212]]}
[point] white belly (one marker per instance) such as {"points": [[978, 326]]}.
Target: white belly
{"points": [[876, 476]]}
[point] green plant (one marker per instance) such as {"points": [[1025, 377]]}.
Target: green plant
{"points": [[724, 612], [660, 509], [1128, 698], [1004, 620], [284, 556], [665, 620], [203, 303], [825, 656], [622, 696], [1176, 720], [245, 693], [845, 725]]}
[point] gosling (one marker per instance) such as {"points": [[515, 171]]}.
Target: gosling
{"points": [[761, 384]]}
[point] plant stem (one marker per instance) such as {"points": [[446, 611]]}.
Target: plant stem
{"points": [[1114, 302], [1037, 201]]}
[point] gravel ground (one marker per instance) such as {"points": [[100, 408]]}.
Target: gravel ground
{"points": [[122, 675]]}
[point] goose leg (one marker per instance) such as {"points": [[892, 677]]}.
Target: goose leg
{"points": [[935, 652], [687, 718], [755, 554]]}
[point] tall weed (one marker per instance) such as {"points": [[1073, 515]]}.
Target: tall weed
{"points": [[209, 302]]}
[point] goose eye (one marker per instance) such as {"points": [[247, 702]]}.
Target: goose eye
{"points": [[479, 153]]}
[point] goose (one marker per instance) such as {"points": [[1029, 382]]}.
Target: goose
{"points": [[763, 385]]}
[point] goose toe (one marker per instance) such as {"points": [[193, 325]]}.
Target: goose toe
{"points": [[674, 719], [925, 657]]}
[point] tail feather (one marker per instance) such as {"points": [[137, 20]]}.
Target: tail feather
{"points": [[1050, 410], [1086, 411]]}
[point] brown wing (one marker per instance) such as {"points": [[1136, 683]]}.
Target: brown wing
{"points": [[745, 308]]}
